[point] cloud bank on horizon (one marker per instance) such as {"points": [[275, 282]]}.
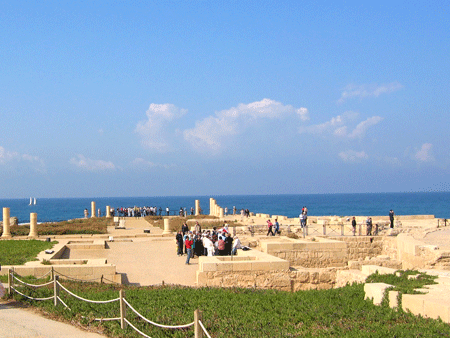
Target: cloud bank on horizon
{"points": [[198, 99]]}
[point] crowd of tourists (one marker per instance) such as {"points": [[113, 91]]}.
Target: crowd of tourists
{"points": [[150, 211], [215, 242]]}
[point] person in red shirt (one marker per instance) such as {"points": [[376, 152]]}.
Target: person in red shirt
{"points": [[188, 243]]}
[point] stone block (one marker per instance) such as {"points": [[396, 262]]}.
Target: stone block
{"points": [[225, 266], [414, 304], [260, 266], [375, 291], [393, 299], [370, 269], [242, 266], [202, 278], [437, 309]]}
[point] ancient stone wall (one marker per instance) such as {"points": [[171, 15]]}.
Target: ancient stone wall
{"points": [[318, 254], [285, 280], [360, 247]]}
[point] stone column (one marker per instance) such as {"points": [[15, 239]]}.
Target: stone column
{"points": [[197, 207], [6, 222], [166, 227], [211, 206], [108, 211], [93, 209], [221, 212], [33, 225]]}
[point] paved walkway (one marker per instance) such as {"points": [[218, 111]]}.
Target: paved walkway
{"points": [[17, 321]]}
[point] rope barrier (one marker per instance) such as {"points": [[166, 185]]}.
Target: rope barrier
{"points": [[101, 302], [87, 300], [136, 329], [156, 324], [20, 293], [31, 285], [63, 303], [203, 328]]}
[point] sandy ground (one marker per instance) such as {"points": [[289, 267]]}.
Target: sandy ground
{"points": [[440, 237], [151, 261]]}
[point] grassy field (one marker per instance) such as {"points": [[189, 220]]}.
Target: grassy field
{"points": [[341, 312], [18, 252], [76, 226]]}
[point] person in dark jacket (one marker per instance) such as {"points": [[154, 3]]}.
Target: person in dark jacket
{"points": [[179, 239], [228, 244]]}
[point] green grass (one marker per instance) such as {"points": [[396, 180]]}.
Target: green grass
{"points": [[18, 252], [97, 225], [401, 282], [341, 312]]}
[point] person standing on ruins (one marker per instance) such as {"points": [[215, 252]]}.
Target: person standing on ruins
{"points": [[354, 225], [391, 217], [369, 226]]}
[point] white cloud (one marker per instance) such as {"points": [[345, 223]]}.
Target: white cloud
{"points": [[363, 91], [88, 164], [153, 131], [424, 154], [337, 126], [211, 132], [362, 127], [12, 158], [140, 163], [353, 156]]}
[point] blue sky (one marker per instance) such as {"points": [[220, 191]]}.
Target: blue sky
{"points": [[153, 98]]}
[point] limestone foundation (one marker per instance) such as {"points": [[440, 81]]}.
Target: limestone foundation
{"points": [[6, 222], [92, 209], [33, 225]]}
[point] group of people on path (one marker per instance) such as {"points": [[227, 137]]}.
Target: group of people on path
{"points": [[206, 243], [369, 223]]}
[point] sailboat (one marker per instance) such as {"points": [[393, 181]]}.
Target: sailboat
{"points": [[34, 201], [31, 201]]}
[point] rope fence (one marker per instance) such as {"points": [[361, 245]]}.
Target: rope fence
{"points": [[199, 329]]}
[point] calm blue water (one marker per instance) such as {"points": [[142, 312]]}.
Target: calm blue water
{"points": [[429, 203]]}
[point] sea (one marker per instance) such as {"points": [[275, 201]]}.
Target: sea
{"points": [[361, 204]]}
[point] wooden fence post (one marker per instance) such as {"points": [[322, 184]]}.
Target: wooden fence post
{"points": [[55, 291], [123, 324], [198, 331], [10, 281]]}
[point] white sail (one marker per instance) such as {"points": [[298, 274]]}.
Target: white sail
{"points": [[31, 201], [34, 201]]}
